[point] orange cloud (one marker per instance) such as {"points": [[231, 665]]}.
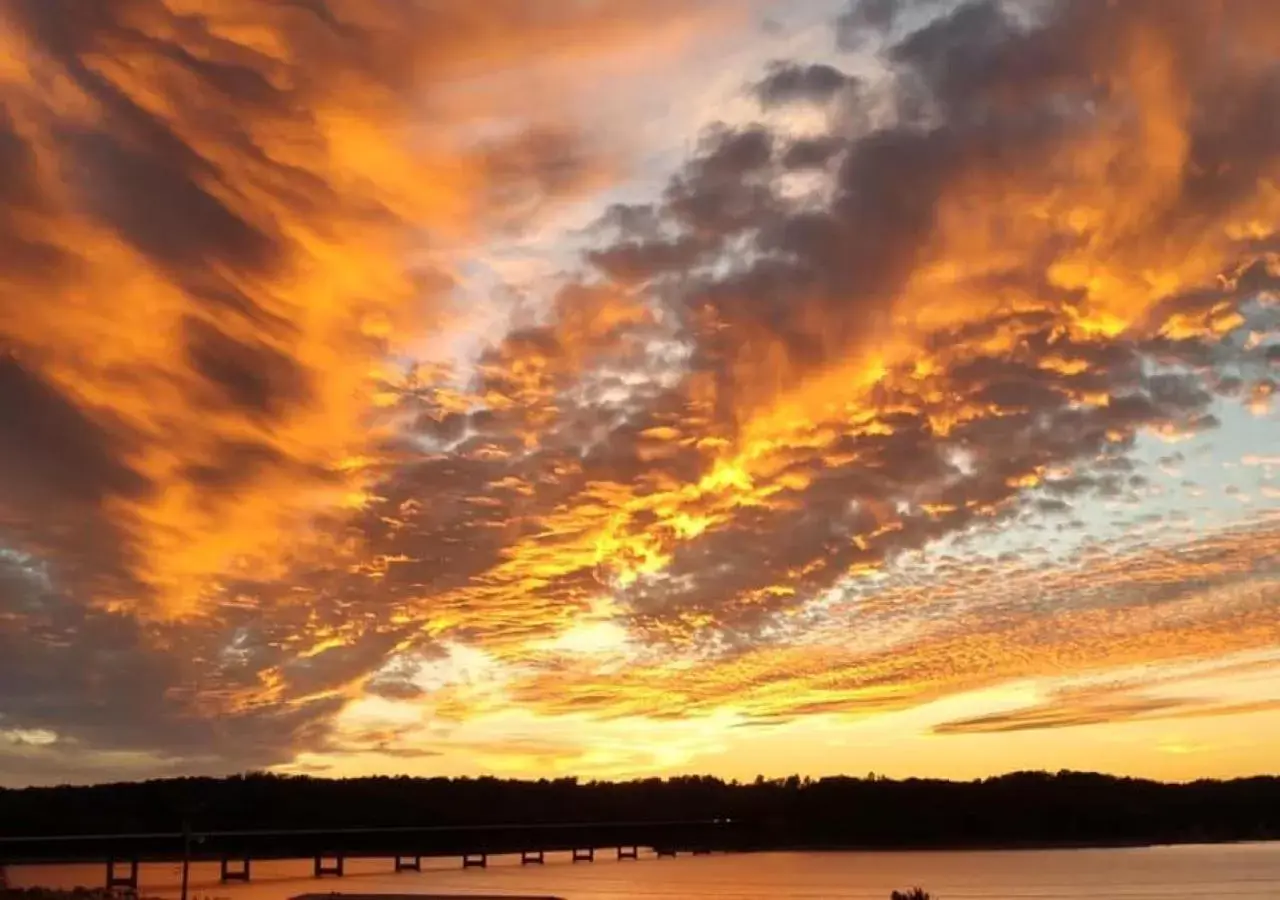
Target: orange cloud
{"points": [[1033, 263], [214, 209], [902, 646], [1123, 702], [759, 430]]}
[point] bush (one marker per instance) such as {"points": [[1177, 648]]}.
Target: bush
{"points": [[913, 894]]}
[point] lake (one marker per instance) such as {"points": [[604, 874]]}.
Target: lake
{"points": [[1200, 872]]}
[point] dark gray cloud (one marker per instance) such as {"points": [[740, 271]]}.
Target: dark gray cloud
{"points": [[104, 684], [791, 83], [864, 19], [79, 464]]}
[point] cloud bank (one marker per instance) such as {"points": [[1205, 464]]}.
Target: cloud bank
{"points": [[760, 429]]}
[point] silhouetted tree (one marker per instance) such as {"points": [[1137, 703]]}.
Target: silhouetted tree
{"points": [[1017, 810], [913, 894]]}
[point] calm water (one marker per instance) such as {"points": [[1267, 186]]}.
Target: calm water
{"points": [[1236, 871]]}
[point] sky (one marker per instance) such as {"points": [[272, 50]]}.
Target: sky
{"points": [[613, 389]]}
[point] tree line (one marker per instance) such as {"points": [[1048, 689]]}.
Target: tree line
{"points": [[1020, 809]]}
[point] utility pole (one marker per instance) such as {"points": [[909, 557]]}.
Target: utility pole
{"points": [[186, 855]]}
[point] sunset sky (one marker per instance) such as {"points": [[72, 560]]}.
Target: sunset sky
{"points": [[612, 388]]}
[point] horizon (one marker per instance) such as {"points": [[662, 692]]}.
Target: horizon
{"points": [[620, 389], [799, 779]]}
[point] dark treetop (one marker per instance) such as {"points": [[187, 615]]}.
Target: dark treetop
{"points": [[1021, 809]]}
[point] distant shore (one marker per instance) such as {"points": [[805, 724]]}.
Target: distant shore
{"points": [[1010, 846], [262, 816]]}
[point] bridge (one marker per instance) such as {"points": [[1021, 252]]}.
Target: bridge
{"points": [[404, 848]]}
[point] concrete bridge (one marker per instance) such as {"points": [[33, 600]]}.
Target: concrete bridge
{"points": [[403, 848]]}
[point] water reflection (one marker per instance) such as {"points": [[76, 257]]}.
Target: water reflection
{"points": [[1220, 872]]}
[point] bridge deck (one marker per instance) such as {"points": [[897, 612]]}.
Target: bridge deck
{"points": [[355, 843]]}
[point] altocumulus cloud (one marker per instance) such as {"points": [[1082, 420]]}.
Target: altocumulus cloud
{"points": [[891, 313]]}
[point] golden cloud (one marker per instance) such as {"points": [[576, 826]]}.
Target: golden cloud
{"points": [[211, 212], [738, 432]]}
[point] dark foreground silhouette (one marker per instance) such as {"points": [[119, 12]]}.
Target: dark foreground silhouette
{"points": [[1019, 810]]}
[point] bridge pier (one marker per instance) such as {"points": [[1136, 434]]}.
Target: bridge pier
{"points": [[333, 869], [129, 880], [587, 855], [408, 863], [632, 852], [531, 857], [665, 851], [230, 873], [475, 860]]}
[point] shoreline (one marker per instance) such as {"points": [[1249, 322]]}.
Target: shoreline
{"points": [[1008, 847]]}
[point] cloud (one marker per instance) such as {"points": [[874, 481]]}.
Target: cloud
{"points": [[865, 18], [211, 222], [768, 424], [1070, 714], [970, 281], [1124, 702], [964, 624], [218, 210], [790, 83]]}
